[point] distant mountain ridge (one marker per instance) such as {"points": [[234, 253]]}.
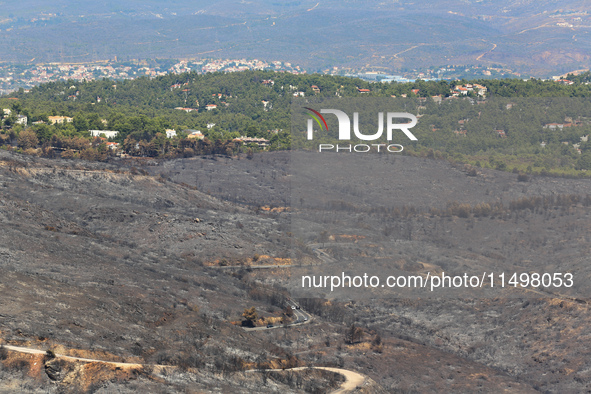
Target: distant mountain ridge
{"points": [[537, 37]]}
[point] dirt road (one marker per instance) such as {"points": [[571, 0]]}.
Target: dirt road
{"points": [[352, 379], [87, 360]]}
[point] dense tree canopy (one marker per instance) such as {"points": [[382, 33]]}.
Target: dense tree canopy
{"points": [[257, 104]]}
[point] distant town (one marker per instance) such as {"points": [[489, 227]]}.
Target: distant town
{"points": [[14, 77], [26, 76]]}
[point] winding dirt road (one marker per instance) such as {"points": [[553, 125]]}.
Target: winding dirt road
{"points": [[352, 379], [86, 360]]}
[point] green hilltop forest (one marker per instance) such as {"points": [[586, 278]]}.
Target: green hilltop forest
{"points": [[528, 126]]}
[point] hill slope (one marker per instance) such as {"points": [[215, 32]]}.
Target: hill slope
{"points": [[537, 37]]}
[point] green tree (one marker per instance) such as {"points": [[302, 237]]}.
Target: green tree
{"points": [[584, 162], [17, 108], [252, 131], [43, 132], [80, 123]]}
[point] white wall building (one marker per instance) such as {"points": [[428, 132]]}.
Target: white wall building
{"points": [[170, 133], [103, 133], [21, 119]]}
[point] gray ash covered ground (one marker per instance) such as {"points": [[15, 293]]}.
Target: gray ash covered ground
{"points": [[108, 258], [102, 258], [398, 205]]}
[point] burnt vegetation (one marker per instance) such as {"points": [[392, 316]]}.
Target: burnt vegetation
{"points": [[113, 262]]}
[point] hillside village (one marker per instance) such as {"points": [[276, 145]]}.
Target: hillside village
{"points": [[106, 136], [14, 77]]}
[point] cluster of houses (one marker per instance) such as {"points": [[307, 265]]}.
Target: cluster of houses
{"points": [[20, 119], [235, 65], [461, 131], [53, 72], [105, 135], [171, 133], [560, 126], [13, 77], [23, 120], [464, 90]]}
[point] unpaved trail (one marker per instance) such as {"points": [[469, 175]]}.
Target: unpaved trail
{"points": [[352, 379], [87, 360]]}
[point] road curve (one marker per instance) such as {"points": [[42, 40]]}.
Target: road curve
{"points": [[86, 360], [302, 317], [352, 379]]}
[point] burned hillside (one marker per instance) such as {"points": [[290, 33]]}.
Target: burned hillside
{"points": [[154, 263]]}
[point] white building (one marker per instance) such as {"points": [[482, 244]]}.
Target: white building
{"points": [[103, 133], [170, 133], [185, 109], [195, 134], [21, 119]]}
